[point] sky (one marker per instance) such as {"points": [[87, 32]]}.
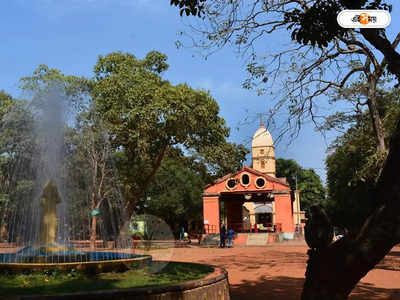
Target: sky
{"points": [[69, 35]]}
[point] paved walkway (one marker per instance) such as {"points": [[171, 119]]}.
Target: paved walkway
{"points": [[277, 272]]}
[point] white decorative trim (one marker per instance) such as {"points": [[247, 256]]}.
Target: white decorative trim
{"points": [[241, 182], [260, 187], [229, 188]]}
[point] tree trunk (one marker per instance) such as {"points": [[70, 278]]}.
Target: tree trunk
{"points": [[374, 115], [131, 201], [93, 233], [385, 47], [93, 204], [332, 273], [4, 225]]}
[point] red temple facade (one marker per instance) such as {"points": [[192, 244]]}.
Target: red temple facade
{"points": [[253, 199]]}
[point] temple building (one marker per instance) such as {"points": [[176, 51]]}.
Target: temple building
{"points": [[254, 200]]}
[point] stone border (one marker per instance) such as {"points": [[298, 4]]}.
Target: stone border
{"points": [[93, 266], [214, 286]]}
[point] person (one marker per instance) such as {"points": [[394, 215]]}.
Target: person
{"points": [[181, 231], [231, 234], [200, 237], [222, 236], [186, 237]]}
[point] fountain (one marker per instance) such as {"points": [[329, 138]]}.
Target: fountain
{"points": [[46, 227]]}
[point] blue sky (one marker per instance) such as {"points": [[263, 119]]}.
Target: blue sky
{"points": [[70, 34]]}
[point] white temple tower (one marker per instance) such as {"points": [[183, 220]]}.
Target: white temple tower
{"points": [[263, 151]]}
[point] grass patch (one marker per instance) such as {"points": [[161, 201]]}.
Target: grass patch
{"points": [[53, 282]]}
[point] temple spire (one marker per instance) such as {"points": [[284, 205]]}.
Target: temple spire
{"points": [[263, 150]]}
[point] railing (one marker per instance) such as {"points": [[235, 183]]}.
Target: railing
{"points": [[243, 227], [86, 244], [238, 227], [8, 245], [209, 228]]}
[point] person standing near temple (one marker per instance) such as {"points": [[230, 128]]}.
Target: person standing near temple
{"points": [[231, 234], [181, 230], [222, 236]]}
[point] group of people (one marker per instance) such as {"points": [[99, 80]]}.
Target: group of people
{"points": [[223, 234]]}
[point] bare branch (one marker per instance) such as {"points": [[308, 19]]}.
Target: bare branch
{"points": [[379, 71], [385, 47], [363, 48]]}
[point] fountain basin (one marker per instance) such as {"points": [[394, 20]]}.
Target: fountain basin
{"points": [[212, 286], [95, 262]]}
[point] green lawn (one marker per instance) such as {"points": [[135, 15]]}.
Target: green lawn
{"points": [[53, 282]]}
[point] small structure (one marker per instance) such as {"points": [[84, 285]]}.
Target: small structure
{"points": [[253, 200]]}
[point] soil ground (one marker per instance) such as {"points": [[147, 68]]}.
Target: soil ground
{"points": [[277, 271]]}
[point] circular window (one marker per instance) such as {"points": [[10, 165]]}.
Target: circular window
{"points": [[260, 182], [231, 183], [245, 179]]}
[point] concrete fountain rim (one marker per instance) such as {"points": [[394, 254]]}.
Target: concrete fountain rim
{"points": [[111, 264], [216, 282]]}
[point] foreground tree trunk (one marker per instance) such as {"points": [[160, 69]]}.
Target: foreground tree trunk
{"points": [[332, 273]]}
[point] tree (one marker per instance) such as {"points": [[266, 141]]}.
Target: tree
{"points": [[5, 104], [93, 153], [146, 116], [332, 272], [353, 165], [17, 147], [305, 180], [305, 73], [311, 73], [176, 192], [190, 7], [310, 22], [221, 160], [44, 80]]}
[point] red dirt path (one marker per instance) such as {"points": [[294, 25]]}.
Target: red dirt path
{"points": [[277, 272]]}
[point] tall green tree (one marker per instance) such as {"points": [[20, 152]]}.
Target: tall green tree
{"points": [[306, 181], [146, 116], [17, 149], [176, 193], [93, 154], [223, 159], [44, 79], [5, 105]]}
